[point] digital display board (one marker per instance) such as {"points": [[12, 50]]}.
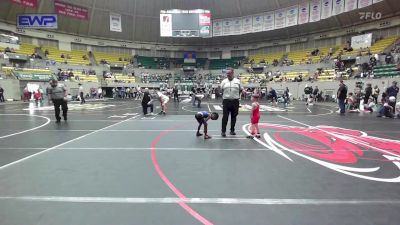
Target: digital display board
{"points": [[185, 23]]}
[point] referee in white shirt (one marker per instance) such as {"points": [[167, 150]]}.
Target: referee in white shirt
{"points": [[231, 88]]}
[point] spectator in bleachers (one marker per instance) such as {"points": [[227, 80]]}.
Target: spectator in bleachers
{"points": [[348, 47], [315, 52], [62, 56], [388, 58], [330, 52]]}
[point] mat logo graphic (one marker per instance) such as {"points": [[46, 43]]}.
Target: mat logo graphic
{"points": [[37, 21], [350, 152]]}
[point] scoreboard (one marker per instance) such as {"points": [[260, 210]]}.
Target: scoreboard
{"points": [[185, 23]]}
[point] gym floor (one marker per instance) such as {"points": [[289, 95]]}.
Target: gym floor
{"points": [[110, 165]]}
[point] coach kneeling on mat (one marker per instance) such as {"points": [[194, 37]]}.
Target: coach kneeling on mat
{"points": [[231, 89], [58, 95]]}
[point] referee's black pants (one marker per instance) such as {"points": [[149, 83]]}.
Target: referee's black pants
{"points": [[230, 106], [82, 97], [64, 106]]}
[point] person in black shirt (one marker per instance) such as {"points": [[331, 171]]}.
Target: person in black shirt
{"points": [[147, 102], [368, 92], [175, 92], [1, 94], [315, 93], [341, 95]]}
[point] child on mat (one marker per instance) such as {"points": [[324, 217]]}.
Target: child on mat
{"points": [[164, 100], [202, 118], [255, 117]]}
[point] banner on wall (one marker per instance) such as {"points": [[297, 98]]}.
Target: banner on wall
{"points": [[70, 10], [350, 5], [247, 24], [338, 7], [364, 3], [361, 41], [237, 26], [326, 9], [227, 28], [165, 25], [280, 18], [315, 10], [292, 13], [269, 21], [304, 12], [376, 1], [205, 19], [217, 28], [115, 22], [26, 3], [258, 22]]}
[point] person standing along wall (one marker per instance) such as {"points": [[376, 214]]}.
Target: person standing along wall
{"points": [[341, 95], [81, 94], [1, 94], [231, 89]]}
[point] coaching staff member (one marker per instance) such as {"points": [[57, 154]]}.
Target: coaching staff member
{"points": [[231, 89], [58, 95]]}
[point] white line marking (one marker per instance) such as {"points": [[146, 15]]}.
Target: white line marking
{"points": [[175, 149], [208, 105], [55, 147], [21, 132], [130, 114], [309, 110], [323, 114], [225, 201], [116, 116]]}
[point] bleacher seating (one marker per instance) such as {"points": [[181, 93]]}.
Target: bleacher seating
{"points": [[389, 70], [200, 63], [26, 49], [119, 78], [381, 45], [269, 58], [218, 64], [377, 48], [75, 57], [290, 76], [112, 58], [152, 62], [327, 74], [85, 77], [251, 78], [301, 56]]}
